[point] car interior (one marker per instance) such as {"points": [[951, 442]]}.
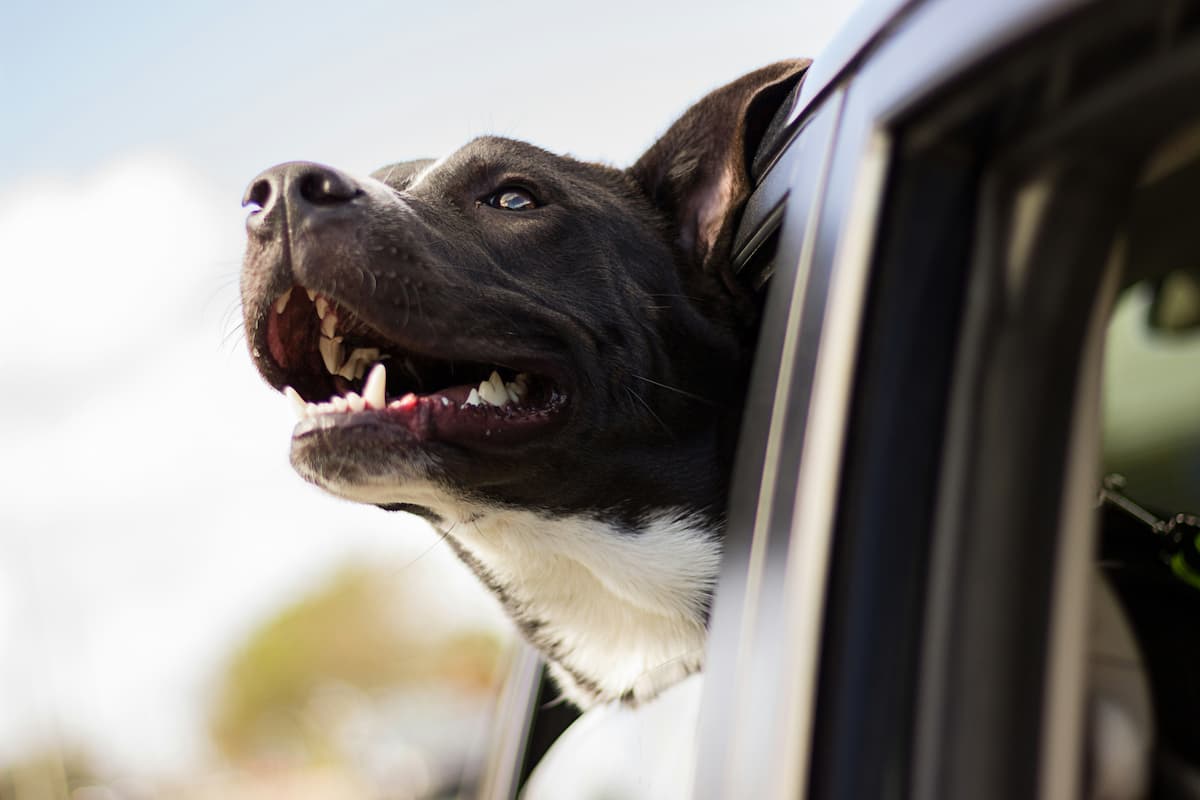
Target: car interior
{"points": [[1146, 703]]}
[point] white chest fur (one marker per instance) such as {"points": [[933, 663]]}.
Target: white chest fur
{"points": [[619, 612]]}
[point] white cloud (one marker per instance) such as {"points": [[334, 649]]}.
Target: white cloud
{"points": [[92, 260], [151, 519]]}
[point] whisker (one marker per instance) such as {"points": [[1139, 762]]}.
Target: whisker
{"points": [[235, 331], [639, 398], [441, 538], [407, 302], [669, 294], [677, 390], [420, 308], [671, 661], [555, 703]]}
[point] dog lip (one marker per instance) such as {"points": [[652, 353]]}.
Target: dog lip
{"points": [[436, 418]]}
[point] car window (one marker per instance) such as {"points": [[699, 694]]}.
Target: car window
{"points": [[1151, 455]]}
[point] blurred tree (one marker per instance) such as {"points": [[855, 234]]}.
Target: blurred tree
{"points": [[361, 630], [50, 774]]}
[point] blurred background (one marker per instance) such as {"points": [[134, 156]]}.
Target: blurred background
{"points": [[180, 615]]}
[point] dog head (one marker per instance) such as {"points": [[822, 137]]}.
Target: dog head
{"points": [[553, 335]]}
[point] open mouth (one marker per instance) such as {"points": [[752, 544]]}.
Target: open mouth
{"points": [[339, 371]]}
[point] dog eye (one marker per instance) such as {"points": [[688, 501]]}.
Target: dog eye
{"points": [[512, 198]]}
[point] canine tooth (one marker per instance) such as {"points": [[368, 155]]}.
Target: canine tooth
{"points": [[355, 402], [374, 392], [331, 353], [322, 307], [472, 399], [491, 395], [282, 302], [312, 294], [298, 404], [329, 325]]}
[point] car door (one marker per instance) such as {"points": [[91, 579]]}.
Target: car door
{"points": [[906, 614]]}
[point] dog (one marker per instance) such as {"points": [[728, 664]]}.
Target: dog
{"points": [[543, 357]]}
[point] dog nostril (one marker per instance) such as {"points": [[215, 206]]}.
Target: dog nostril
{"points": [[326, 187], [259, 193]]}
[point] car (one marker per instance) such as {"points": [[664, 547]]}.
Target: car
{"points": [[974, 230]]}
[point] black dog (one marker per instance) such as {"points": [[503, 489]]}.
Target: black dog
{"points": [[545, 358]]}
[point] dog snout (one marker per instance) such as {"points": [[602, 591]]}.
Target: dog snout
{"points": [[300, 188]]}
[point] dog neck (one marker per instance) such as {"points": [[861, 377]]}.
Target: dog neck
{"points": [[619, 613]]}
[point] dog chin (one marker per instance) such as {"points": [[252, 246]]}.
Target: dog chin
{"points": [[378, 478]]}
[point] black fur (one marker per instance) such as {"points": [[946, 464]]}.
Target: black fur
{"points": [[610, 286]]}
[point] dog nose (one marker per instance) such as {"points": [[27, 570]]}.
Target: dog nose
{"points": [[304, 186]]}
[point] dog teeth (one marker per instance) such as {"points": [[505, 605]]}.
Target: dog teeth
{"points": [[331, 353], [312, 294], [492, 391], [356, 365], [281, 303], [329, 325], [517, 389], [298, 404], [495, 392], [374, 392], [322, 306]]}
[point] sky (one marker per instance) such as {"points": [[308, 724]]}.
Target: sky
{"points": [[148, 517]]}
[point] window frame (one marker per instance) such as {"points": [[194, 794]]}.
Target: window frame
{"points": [[758, 739]]}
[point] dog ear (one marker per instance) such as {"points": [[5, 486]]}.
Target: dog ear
{"points": [[698, 173]]}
